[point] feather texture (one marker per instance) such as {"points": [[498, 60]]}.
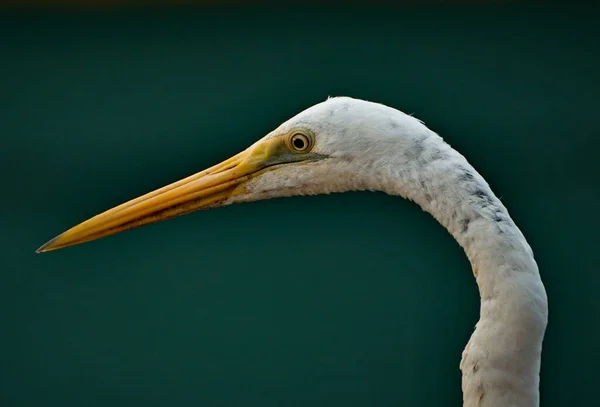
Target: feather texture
{"points": [[370, 146]]}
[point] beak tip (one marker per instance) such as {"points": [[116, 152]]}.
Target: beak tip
{"points": [[46, 247]]}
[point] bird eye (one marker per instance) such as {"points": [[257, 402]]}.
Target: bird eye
{"points": [[300, 142]]}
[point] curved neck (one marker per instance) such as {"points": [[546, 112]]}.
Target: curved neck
{"points": [[501, 362]]}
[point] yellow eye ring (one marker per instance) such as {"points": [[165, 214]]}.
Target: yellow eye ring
{"points": [[300, 142]]}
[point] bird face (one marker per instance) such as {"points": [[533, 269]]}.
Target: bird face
{"points": [[329, 147]]}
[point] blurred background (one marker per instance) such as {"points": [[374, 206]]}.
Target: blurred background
{"points": [[238, 306]]}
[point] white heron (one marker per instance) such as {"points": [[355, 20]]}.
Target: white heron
{"points": [[345, 144]]}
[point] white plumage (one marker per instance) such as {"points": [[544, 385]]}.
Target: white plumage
{"points": [[357, 145], [374, 147]]}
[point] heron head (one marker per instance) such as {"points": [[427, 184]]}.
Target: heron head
{"points": [[329, 147]]}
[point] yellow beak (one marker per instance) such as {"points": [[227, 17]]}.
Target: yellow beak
{"points": [[207, 189]]}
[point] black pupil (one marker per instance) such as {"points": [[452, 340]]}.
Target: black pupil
{"points": [[299, 143]]}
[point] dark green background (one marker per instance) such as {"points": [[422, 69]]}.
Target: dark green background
{"points": [[349, 300]]}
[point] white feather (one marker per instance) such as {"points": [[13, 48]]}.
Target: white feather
{"points": [[374, 147]]}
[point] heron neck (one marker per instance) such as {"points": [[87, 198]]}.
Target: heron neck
{"points": [[501, 362]]}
